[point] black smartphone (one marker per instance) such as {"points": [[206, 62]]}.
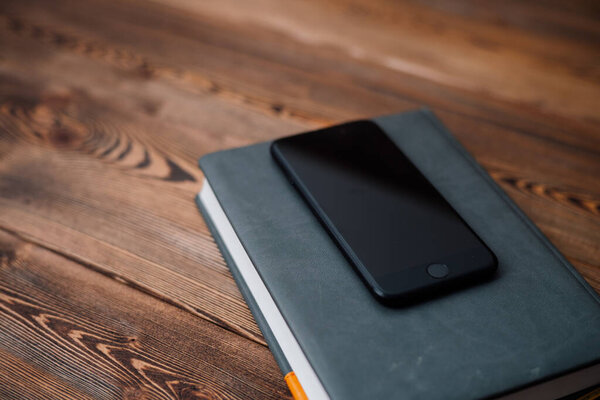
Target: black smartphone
{"points": [[397, 230]]}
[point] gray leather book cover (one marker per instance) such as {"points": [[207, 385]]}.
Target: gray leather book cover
{"points": [[537, 319]]}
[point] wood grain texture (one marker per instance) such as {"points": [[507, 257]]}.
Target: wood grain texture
{"points": [[105, 107], [67, 331]]}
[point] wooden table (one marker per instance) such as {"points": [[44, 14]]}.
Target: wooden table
{"points": [[111, 285]]}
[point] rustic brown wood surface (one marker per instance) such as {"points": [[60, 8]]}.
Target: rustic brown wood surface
{"points": [[110, 284]]}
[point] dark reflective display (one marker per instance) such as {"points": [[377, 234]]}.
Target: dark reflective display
{"points": [[374, 201]]}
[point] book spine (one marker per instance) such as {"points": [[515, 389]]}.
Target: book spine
{"points": [[247, 294]]}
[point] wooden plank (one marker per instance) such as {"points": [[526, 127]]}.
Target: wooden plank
{"points": [[148, 232], [187, 96], [514, 52], [69, 332], [19, 379], [273, 76], [246, 62]]}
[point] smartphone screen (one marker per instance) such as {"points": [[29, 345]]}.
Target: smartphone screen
{"points": [[390, 222]]}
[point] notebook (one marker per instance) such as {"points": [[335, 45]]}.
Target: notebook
{"points": [[531, 332]]}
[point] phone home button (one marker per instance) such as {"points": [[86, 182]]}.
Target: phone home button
{"points": [[437, 271]]}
